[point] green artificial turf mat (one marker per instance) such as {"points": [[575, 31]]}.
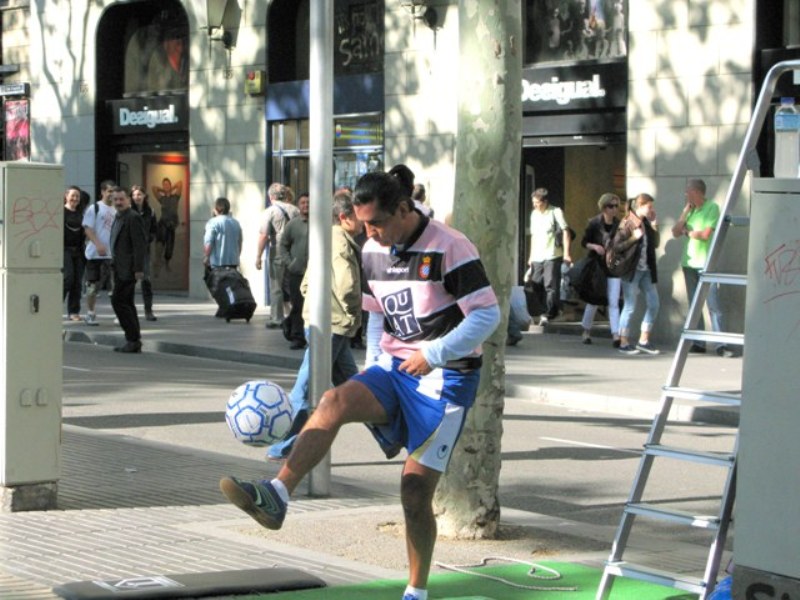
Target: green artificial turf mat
{"points": [[460, 586]]}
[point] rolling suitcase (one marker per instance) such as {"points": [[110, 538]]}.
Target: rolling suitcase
{"points": [[232, 293]]}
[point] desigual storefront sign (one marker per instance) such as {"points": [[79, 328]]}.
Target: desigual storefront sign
{"points": [[562, 92], [161, 113], [599, 86]]}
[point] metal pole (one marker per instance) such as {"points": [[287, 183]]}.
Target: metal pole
{"points": [[320, 220]]}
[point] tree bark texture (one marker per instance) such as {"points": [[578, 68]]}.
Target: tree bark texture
{"points": [[488, 148]]}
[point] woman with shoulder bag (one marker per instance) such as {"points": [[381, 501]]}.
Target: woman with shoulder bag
{"points": [[635, 245], [598, 235]]}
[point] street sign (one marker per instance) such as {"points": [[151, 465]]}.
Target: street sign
{"points": [[15, 89]]}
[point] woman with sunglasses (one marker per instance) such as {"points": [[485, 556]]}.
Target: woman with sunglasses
{"points": [[599, 231]]}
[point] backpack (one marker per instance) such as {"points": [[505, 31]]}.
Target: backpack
{"points": [[620, 259], [559, 233]]}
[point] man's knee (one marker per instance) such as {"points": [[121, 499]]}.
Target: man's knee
{"points": [[91, 288], [333, 405], [416, 497]]}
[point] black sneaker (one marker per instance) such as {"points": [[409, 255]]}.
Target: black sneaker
{"points": [[725, 352], [259, 499], [647, 348], [697, 349], [628, 349]]}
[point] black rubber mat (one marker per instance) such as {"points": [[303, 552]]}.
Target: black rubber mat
{"points": [[191, 585]]}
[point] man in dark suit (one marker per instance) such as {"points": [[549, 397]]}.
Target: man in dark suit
{"points": [[128, 245]]}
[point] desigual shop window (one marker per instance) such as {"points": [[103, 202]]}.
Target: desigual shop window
{"points": [[575, 30], [357, 149]]}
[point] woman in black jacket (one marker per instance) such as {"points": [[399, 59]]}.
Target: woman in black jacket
{"points": [[74, 260], [142, 206], [599, 232]]}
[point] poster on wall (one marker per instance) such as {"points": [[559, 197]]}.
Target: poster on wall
{"points": [[156, 57], [166, 179], [18, 130], [576, 30]]}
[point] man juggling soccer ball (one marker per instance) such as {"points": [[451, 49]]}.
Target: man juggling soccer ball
{"points": [[438, 307]]}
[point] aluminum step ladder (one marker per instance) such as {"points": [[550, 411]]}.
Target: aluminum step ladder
{"points": [[717, 524]]}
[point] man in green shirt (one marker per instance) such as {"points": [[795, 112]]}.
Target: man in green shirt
{"points": [[697, 222]]}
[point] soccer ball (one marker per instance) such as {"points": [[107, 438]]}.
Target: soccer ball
{"points": [[259, 413]]}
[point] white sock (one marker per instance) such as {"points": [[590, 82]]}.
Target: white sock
{"points": [[281, 489], [417, 593]]}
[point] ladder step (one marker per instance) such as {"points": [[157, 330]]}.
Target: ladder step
{"points": [[718, 337], [726, 398], [642, 573], [718, 459], [724, 278], [674, 516], [738, 220]]}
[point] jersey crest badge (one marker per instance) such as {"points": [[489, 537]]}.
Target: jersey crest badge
{"points": [[424, 270]]}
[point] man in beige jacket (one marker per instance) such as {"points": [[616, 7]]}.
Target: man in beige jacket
{"points": [[345, 315]]}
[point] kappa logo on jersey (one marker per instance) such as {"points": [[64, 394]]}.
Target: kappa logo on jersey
{"points": [[424, 270], [399, 310]]}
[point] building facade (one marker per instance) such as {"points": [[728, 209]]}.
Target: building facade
{"points": [[618, 96]]}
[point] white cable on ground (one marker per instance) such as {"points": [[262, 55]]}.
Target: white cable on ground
{"points": [[531, 573]]}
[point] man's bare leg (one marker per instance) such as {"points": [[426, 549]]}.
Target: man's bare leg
{"points": [[416, 492], [351, 402]]}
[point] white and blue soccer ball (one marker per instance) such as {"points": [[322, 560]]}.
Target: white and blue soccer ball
{"points": [[259, 413]]}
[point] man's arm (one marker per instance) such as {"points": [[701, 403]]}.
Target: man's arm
{"points": [[701, 234], [208, 242], [478, 325], [679, 228], [566, 239], [346, 284], [101, 249], [285, 246], [90, 232], [263, 240], [139, 245]]}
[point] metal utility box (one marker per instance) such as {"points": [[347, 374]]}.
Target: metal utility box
{"points": [[767, 519], [31, 298]]}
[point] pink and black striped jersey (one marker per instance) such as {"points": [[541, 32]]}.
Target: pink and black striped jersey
{"points": [[426, 289]]}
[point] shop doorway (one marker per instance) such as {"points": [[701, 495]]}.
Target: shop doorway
{"points": [[142, 121], [575, 177]]}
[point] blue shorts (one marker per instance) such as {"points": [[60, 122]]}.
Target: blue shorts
{"points": [[425, 414]]}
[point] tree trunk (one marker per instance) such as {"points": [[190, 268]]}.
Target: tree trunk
{"points": [[488, 150]]}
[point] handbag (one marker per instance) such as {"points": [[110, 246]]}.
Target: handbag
{"points": [[589, 281]]}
